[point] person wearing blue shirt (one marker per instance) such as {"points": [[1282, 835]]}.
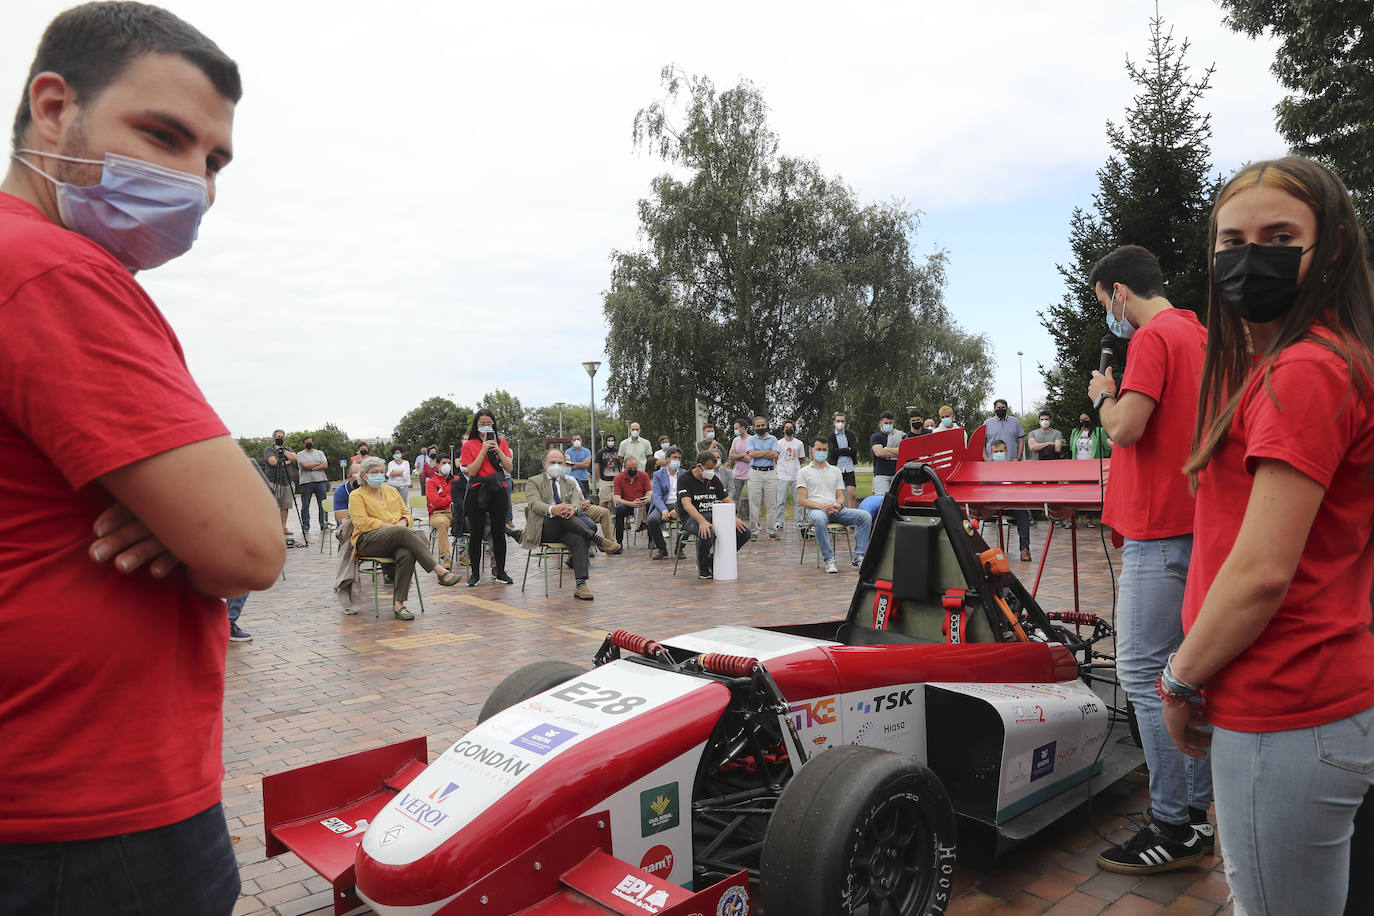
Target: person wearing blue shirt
{"points": [[763, 478], [842, 449], [1005, 428], [884, 445], [663, 508], [580, 461]]}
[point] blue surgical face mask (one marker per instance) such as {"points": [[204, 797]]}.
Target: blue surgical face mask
{"points": [[674, 464], [999, 456], [484, 429], [376, 480], [820, 457], [946, 422], [143, 214], [1118, 326]]}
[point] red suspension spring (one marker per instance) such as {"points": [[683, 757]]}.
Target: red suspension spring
{"points": [[1077, 618], [728, 665], [640, 645]]}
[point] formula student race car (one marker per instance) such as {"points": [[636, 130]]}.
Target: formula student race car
{"points": [[806, 770]]}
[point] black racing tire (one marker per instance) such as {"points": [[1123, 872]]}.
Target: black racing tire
{"points": [[523, 683], [860, 831]]}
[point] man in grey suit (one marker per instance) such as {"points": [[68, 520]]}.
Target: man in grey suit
{"points": [[552, 504]]}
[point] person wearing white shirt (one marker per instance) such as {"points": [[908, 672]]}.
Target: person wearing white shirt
{"points": [[821, 492], [398, 475], [791, 454]]}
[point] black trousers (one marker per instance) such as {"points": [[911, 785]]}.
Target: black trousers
{"points": [[622, 513], [494, 515], [573, 533]]}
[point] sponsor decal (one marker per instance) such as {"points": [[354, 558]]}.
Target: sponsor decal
{"points": [[610, 702], [543, 738], [1042, 761], [586, 725], [819, 740], [955, 620], [1027, 715], [821, 712], [421, 811], [734, 902], [658, 809], [880, 611], [391, 835], [641, 893], [500, 761], [1088, 708], [894, 700], [893, 728], [1065, 753], [538, 706], [335, 825], [439, 796], [658, 861], [944, 883]]}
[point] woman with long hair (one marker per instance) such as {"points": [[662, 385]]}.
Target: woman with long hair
{"points": [[486, 457], [1279, 656]]}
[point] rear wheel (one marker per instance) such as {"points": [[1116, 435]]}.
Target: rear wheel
{"points": [[526, 682], [859, 831]]}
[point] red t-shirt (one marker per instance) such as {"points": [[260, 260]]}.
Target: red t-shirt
{"points": [[629, 489], [1314, 662], [1148, 495], [111, 686], [471, 449], [438, 494]]}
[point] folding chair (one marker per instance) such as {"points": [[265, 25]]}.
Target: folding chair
{"points": [[808, 533], [555, 550], [374, 568]]}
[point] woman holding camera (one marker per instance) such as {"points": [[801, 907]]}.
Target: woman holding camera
{"points": [[486, 458], [1277, 607]]}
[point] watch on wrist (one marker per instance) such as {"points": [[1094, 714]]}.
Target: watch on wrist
{"points": [[1097, 404]]}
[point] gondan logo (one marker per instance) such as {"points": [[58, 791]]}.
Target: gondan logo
{"points": [[439, 796], [488, 757], [658, 809], [1042, 761], [658, 861], [821, 712], [543, 739]]}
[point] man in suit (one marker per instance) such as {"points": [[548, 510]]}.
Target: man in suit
{"points": [[552, 501]]}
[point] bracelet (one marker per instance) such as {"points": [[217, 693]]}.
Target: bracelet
{"points": [[1181, 699], [1182, 688]]}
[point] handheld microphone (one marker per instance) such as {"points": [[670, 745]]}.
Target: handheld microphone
{"points": [[1108, 344]]}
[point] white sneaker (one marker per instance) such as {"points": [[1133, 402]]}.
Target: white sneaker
{"points": [[830, 567]]}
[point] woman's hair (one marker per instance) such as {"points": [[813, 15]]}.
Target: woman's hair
{"points": [[481, 412], [369, 463], [1336, 294]]}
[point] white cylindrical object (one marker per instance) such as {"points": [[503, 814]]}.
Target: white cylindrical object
{"points": [[723, 520]]}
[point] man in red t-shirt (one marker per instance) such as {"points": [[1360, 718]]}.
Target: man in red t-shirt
{"points": [[112, 631], [630, 491], [1150, 505]]}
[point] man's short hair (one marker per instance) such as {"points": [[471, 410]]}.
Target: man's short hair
{"points": [[840, 413], [1134, 267], [705, 457], [278, 432], [1045, 414], [996, 444], [822, 440], [90, 46], [673, 451], [885, 415], [1002, 401]]}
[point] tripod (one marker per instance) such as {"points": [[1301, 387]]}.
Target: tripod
{"points": [[284, 487]]}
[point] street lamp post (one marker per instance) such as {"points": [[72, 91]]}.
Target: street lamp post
{"points": [[560, 405], [591, 366], [1020, 381]]}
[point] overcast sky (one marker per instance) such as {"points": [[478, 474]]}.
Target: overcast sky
{"points": [[424, 196]]}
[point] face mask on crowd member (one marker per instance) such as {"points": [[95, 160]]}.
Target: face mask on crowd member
{"points": [[446, 469], [946, 422], [362, 450], [577, 443], [634, 432], [839, 426], [885, 427], [999, 453], [789, 430], [1085, 422], [708, 473], [556, 469], [760, 431], [820, 450], [665, 444], [309, 444], [396, 455], [376, 480], [1118, 326], [1259, 281], [1001, 412], [280, 440], [433, 455], [674, 463], [610, 443]]}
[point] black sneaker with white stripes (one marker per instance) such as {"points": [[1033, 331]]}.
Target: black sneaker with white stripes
{"points": [[1150, 851], [1198, 818]]}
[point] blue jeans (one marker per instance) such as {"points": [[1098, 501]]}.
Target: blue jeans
{"points": [[1286, 802], [318, 489], [861, 520], [186, 867], [1149, 628], [236, 606]]}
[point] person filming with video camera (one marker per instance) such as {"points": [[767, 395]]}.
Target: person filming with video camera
{"points": [[279, 459], [486, 457]]}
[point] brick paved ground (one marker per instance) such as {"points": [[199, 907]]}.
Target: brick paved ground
{"points": [[316, 684]]}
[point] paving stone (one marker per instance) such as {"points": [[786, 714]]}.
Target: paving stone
{"points": [[1079, 904], [1109, 885], [1023, 904], [1188, 905], [1212, 887], [1133, 905]]}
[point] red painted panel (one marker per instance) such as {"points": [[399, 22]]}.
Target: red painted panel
{"points": [[866, 667]]}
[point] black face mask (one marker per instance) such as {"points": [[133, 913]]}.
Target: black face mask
{"points": [[279, 440], [1001, 413], [363, 452], [788, 431], [309, 445], [631, 472], [1086, 424], [1259, 281], [760, 431]]}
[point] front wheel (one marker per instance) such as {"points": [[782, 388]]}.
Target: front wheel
{"points": [[529, 681], [860, 831]]}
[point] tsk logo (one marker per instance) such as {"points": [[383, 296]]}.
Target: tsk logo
{"points": [[543, 739], [497, 760], [734, 902], [658, 861], [894, 700], [421, 811], [821, 712], [658, 809], [439, 796], [641, 893], [1042, 761]]}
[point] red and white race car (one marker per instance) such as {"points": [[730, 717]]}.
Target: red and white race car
{"points": [[806, 770]]}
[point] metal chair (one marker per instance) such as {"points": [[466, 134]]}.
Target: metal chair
{"points": [[556, 550], [327, 535], [835, 528], [679, 544], [375, 568]]}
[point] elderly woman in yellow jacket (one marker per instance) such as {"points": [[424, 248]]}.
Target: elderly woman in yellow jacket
{"points": [[382, 528]]}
